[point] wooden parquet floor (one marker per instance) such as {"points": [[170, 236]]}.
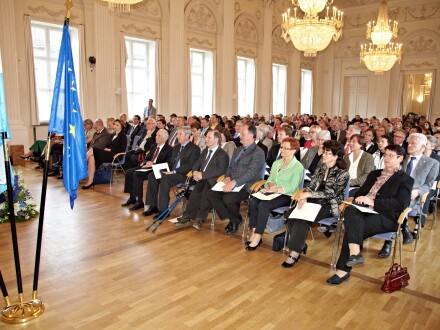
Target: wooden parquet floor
{"points": [[101, 270]]}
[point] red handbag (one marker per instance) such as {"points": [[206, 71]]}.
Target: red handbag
{"points": [[396, 278]]}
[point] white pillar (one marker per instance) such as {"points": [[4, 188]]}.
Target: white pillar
{"points": [[178, 59], [293, 82], [265, 85]]}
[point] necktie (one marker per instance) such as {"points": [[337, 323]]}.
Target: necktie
{"points": [[347, 149], [206, 161], [177, 162], [409, 166], [279, 154], [239, 154], [173, 139], [95, 137], [155, 155]]}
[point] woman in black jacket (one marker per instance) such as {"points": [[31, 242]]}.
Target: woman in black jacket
{"points": [[388, 192], [95, 156]]}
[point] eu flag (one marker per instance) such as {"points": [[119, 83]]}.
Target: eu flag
{"points": [[4, 127], [65, 118]]}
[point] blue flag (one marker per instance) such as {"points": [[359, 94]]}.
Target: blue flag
{"points": [[65, 118], [4, 127]]}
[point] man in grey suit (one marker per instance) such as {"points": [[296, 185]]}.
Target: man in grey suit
{"points": [[337, 133], [424, 170], [212, 163], [246, 167], [101, 137]]}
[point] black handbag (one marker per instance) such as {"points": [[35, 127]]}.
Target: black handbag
{"points": [[278, 241]]}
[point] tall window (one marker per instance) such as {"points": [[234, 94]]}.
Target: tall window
{"points": [[279, 88], [246, 85], [140, 74], [202, 82], [46, 41], [306, 91]]}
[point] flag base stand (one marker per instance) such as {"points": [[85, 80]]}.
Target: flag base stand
{"points": [[23, 312]]}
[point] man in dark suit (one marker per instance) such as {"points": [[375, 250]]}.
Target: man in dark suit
{"points": [[180, 122], [211, 164], [338, 134], [160, 152], [146, 140], [183, 157], [205, 125], [424, 170], [246, 167], [236, 137], [123, 119], [135, 129], [260, 137]]}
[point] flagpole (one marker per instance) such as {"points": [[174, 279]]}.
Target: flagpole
{"points": [[41, 218], [4, 290]]}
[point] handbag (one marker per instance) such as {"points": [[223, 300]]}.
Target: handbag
{"points": [[102, 175], [275, 223], [278, 241], [396, 278]]}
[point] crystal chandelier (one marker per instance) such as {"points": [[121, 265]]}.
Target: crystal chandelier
{"points": [[381, 54], [311, 33], [121, 6]]}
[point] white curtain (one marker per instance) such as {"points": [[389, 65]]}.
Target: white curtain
{"points": [[122, 65], [189, 89], [158, 64], [30, 70], [214, 80], [83, 65]]}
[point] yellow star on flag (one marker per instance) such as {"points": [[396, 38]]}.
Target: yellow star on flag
{"points": [[72, 130]]}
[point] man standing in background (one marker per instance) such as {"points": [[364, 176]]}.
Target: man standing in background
{"points": [[150, 110]]}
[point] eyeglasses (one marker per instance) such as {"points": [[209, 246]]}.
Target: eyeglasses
{"points": [[399, 136], [328, 153], [284, 148], [390, 155]]}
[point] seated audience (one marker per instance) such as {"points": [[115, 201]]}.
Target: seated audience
{"points": [[227, 143], [275, 152], [211, 164], [160, 152], [183, 157], [382, 142], [246, 167], [197, 137], [327, 189], [424, 170], [313, 156], [285, 177], [370, 140], [359, 162], [95, 156], [388, 192]]}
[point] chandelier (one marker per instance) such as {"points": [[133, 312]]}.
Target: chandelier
{"points": [[310, 33], [121, 6], [381, 54]]}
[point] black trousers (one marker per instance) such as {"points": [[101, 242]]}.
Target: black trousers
{"points": [[227, 205], [158, 191], [198, 205], [260, 211], [299, 228], [134, 183], [359, 226]]}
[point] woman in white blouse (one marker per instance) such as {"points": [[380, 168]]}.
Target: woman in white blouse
{"points": [[360, 163], [227, 143], [382, 142]]}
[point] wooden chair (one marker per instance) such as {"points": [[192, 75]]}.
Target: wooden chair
{"points": [[395, 235]]}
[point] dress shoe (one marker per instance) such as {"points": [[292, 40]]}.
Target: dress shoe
{"points": [[39, 167], [407, 237], [182, 222], [53, 173], [234, 227], [136, 206], [355, 260], [198, 224], [128, 202], [386, 250], [252, 248], [286, 264], [25, 156], [92, 185], [336, 280], [229, 225], [150, 210], [159, 213]]}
